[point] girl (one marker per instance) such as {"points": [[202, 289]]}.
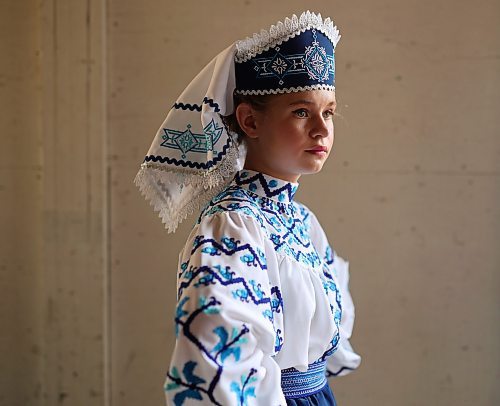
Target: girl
{"points": [[264, 313]]}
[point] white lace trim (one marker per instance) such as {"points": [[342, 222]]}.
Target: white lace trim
{"points": [[166, 187], [251, 46], [286, 90]]}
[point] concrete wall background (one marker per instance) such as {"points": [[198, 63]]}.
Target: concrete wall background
{"points": [[87, 271], [53, 192], [21, 209]]}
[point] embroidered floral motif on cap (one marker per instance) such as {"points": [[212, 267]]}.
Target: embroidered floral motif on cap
{"points": [[303, 61]]}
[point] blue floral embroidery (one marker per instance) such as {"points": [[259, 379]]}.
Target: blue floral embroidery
{"points": [[211, 251], [279, 341], [205, 280], [328, 255], [268, 314], [206, 275], [202, 301], [249, 259], [229, 247], [241, 294], [257, 289], [243, 391], [191, 382], [276, 300], [225, 272], [180, 312], [225, 349], [230, 243]]}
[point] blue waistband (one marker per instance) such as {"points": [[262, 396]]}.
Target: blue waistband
{"points": [[295, 383]]}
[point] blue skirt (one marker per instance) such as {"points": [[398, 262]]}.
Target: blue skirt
{"points": [[307, 388], [324, 397]]}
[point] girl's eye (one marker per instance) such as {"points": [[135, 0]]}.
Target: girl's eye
{"points": [[328, 114], [302, 113]]}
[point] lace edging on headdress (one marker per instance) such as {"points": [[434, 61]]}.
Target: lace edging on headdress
{"points": [[251, 46]]}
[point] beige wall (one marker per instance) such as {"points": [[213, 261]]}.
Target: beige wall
{"points": [[20, 208], [87, 272], [53, 191]]}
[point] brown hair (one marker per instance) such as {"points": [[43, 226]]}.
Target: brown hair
{"points": [[258, 102]]}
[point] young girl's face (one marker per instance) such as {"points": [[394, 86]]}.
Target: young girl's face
{"points": [[293, 135]]}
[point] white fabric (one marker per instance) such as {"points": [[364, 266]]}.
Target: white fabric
{"points": [[192, 154], [249, 235]]}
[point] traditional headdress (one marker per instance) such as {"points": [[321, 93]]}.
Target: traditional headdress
{"points": [[194, 155]]}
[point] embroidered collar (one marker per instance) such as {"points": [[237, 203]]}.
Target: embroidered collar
{"points": [[265, 185]]}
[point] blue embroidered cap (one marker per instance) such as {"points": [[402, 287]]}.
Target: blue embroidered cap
{"points": [[194, 155], [293, 56]]}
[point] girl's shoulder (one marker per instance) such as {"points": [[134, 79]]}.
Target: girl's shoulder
{"points": [[232, 201]]}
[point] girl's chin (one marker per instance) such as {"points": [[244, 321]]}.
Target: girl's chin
{"points": [[310, 169], [315, 166]]}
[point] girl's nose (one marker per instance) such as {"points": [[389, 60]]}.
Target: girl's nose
{"points": [[321, 128]]}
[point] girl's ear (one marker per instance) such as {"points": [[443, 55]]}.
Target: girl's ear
{"points": [[246, 116]]}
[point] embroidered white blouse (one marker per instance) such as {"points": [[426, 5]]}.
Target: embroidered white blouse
{"points": [[259, 290]]}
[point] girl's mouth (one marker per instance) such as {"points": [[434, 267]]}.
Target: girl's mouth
{"points": [[320, 149]]}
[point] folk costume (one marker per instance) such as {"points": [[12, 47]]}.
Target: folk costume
{"points": [[264, 314]]}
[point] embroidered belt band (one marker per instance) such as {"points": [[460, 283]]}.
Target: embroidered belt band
{"points": [[295, 383]]}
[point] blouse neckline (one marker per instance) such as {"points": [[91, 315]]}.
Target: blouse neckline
{"points": [[262, 184]]}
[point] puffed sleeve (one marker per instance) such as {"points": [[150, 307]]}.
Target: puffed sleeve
{"points": [[224, 331], [344, 360]]}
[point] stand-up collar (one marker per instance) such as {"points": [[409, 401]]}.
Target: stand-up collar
{"points": [[265, 185]]}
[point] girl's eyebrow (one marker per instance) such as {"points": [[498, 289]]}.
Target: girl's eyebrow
{"points": [[304, 101]]}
